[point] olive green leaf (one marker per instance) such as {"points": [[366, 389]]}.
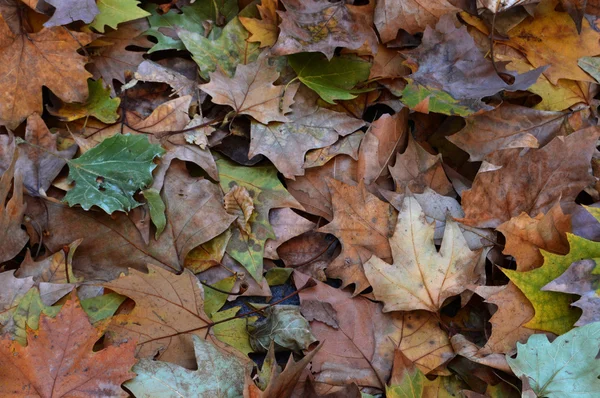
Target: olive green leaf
{"points": [[114, 12], [157, 209], [233, 332], [99, 105]]}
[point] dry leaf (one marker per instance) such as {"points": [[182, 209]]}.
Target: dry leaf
{"points": [[12, 237], [238, 203]]}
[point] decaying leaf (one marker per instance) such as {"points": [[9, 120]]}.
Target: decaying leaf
{"points": [[12, 237], [284, 326], [410, 15], [238, 203]]}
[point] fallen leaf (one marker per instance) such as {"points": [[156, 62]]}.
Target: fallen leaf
{"points": [[114, 12], [12, 237], [59, 359], [284, 326], [99, 105], [70, 11], [348, 145], [263, 30], [421, 277], [410, 15], [286, 224], [321, 26], [208, 254], [363, 225], [238, 203], [149, 71], [532, 182]]}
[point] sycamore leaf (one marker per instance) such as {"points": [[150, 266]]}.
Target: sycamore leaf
{"points": [[109, 174], [114, 12], [99, 105], [508, 126], [67, 11], [410, 15], [12, 237], [263, 30], [532, 182], [191, 18], [421, 277], [238, 203], [321, 26], [60, 360], [565, 367], [451, 75], [333, 78], [267, 193], [221, 55], [47, 58], [219, 374], [496, 6], [562, 46], [581, 278], [286, 224], [284, 326], [363, 224], [251, 91], [553, 310]]}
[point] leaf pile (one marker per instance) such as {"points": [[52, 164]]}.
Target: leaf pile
{"points": [[299, 198]]}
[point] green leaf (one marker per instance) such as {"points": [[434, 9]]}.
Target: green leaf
{"points": [[225, 53], [218, 375], [278, 276], [553, 311], [566, 367], [233, 332], [591, 65], [285, 326], [191, 19], [27, 314], [332, 80], [213, 299], [99, 105], [109, 174], [114, 12], [415, 96], [102, 307], [157, 210], [267, 192]]}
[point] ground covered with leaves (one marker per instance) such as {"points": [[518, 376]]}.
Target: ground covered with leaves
{"points": [[299, 198]]}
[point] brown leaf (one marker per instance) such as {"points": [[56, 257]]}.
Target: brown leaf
{"points": [[363, 225], [530, 183], [286, 224], [344, 146], [251, 91], [168, 310], [60, 359], [526, 236], [386, 136], [310, 253], [366, 338], [509, 126], [411, 15], [321, 26], [348, 391], [12, 237], [238, 203], [32, 60]]}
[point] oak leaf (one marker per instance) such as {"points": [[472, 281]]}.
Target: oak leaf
{"points": [[421, 277], [251, 91], [363, 225], [32, 60], [60, 360], [532, 182]]}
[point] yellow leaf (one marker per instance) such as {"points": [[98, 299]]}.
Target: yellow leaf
{"points": [[263, 30]]}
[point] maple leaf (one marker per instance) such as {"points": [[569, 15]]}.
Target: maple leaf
{"points": [[263, 30], [114, 12], [32, 60], [59, 359], [12, 237], [508, 126], [251, 91], [219, 374], [565, 365], [359, 339], [321, 26], [70, 11], [532, 182], [450, 75], [421, 277], [562, 47], [410, 15], [363, 225]]}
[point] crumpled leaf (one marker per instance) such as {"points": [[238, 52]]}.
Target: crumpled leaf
{"points": [[450, 75], [251, 91], [46, 58], [12, 237], [59, 359], [109, 174], [263, 30], [99, 105], [67, 11], [321, 26], [580, 278], [286, 224], [348, 145], [421, 277], [238, 203], [410, 15], [334, 78], [267, 192], [562, 45], [508, 126], [532, 182], [363, 225], [567, 366], [149, 71], [284, 326], [219, 374], [114, 12]]}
